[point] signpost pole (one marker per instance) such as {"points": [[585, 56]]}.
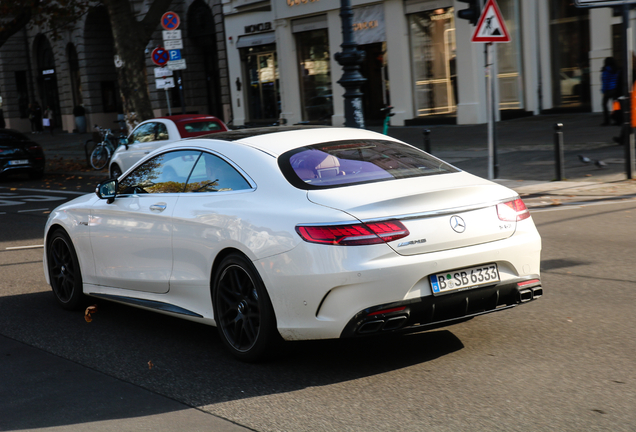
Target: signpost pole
{"points": [[490, 111], [628, 131], [168, 101]]}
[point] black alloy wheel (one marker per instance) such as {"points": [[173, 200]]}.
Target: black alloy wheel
{"points": [[64, 271], [242, 310]]}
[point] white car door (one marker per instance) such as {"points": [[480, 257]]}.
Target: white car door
{"points": [[132, 236]]}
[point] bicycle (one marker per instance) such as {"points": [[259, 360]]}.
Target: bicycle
{"points": [[103, 150]]}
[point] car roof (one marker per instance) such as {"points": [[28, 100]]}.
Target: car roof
{"points": [[276, 140], [178, 118]]}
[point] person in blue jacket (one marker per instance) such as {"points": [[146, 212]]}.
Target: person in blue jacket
{"points": [[609, 87]]}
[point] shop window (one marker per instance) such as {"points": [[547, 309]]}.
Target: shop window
{"points": [[509, 59], [315, 75], [433, 50], [570, 40]]}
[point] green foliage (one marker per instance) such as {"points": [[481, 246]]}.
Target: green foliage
{"points": [[55, 15]]}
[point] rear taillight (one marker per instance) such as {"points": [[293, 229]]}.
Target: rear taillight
{"points": [[353, 234], [513, 211], [34, 149]]}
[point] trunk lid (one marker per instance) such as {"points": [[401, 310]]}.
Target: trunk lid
{"points": [[441, 212]]}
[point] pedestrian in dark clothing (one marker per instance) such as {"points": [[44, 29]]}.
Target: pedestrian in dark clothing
{"points": [[609, 87], [37, 112], [34, 127]]}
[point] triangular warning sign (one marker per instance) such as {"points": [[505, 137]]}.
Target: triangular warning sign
{"points": [[491, 26]]}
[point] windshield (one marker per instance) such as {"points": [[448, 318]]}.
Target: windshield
{"points": [[344, 163]]}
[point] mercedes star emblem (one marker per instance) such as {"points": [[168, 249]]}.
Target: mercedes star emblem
{"points": [[457, 224]]}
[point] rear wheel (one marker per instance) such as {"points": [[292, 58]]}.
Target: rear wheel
{"points": [[242, 310], [64, 271], [100, 157]]}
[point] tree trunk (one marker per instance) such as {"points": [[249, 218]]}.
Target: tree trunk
{"points": [[131, 38]]}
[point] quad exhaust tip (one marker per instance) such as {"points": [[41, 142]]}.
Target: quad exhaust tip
{"points": [[389, 324], [529, 294]]}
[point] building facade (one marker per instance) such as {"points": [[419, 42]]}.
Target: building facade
{"points": [[419, 59], [259, 62], [79, 69]]}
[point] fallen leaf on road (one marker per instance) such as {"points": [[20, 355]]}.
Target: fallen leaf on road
{"points": [[88, 313], [150, 365]]}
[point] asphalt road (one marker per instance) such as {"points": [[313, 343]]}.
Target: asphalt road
{"points": [[565, 362]]}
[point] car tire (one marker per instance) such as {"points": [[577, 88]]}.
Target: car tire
{"points": [[115, 171], [243, 311], [64, 271]]}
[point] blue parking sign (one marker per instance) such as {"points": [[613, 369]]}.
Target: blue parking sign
{"points": [[175, 54]]}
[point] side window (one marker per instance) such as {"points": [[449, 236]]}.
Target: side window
{"points": [[213, 174], [144, 133], [162, 132], [165, 173]]}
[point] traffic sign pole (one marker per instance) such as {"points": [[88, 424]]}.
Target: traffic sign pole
{"points": [[490, 29]]}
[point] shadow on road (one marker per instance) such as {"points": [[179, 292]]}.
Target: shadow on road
{"points": [[181, 360]]}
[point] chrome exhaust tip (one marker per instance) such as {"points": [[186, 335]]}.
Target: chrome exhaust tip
{"points": [[525, 295]]}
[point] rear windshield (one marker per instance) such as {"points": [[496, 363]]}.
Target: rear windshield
{"points": [[202, 126], [343, 163]]}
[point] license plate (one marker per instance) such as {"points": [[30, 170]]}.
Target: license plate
{"points": [[463, 279], [19, 162]]}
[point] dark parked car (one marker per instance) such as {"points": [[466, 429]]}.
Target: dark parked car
{"points": [[19, 154]]}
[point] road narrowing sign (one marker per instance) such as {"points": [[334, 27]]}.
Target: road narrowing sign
{"points": [[491, 26]]}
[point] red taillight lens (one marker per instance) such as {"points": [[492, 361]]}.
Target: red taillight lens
{"points": [[513, 211], [34, 149], [386, 311], [354, 234]]}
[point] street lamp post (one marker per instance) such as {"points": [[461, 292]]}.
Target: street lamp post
{"points": [[350, 59]]}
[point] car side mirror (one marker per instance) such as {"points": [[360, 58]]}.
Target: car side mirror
{"points": [[107, 190]]}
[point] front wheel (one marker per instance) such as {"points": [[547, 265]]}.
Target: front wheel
{"points": [[64, 271], [100, 157], [242, 310]]}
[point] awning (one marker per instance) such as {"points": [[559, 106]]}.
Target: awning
{"points": [[247, 41]]}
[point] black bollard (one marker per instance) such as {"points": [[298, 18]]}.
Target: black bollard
{"points": [[559, 160], [427, 141]]}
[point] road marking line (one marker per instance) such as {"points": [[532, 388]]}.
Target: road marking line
{"points": [[34, 210], [24, 247], [49, 191]]}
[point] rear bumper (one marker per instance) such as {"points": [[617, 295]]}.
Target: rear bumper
{"points": [[437, 311], [34, 165]]}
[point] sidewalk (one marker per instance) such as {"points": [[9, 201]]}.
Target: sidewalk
{"points": [[525, 151]]}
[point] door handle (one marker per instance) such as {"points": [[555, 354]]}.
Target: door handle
{"points": [[158, 207], [148, 152]]}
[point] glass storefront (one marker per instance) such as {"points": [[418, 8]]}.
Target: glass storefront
{"points": [[263, 94], [570, 40], [509, 59], [315, 75], [433, 49]]}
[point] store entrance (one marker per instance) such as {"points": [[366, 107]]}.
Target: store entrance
{"points": [[375, 89], [263, 94]]}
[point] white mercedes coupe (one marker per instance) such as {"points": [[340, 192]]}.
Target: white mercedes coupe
{"points": [[291, 233]]}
